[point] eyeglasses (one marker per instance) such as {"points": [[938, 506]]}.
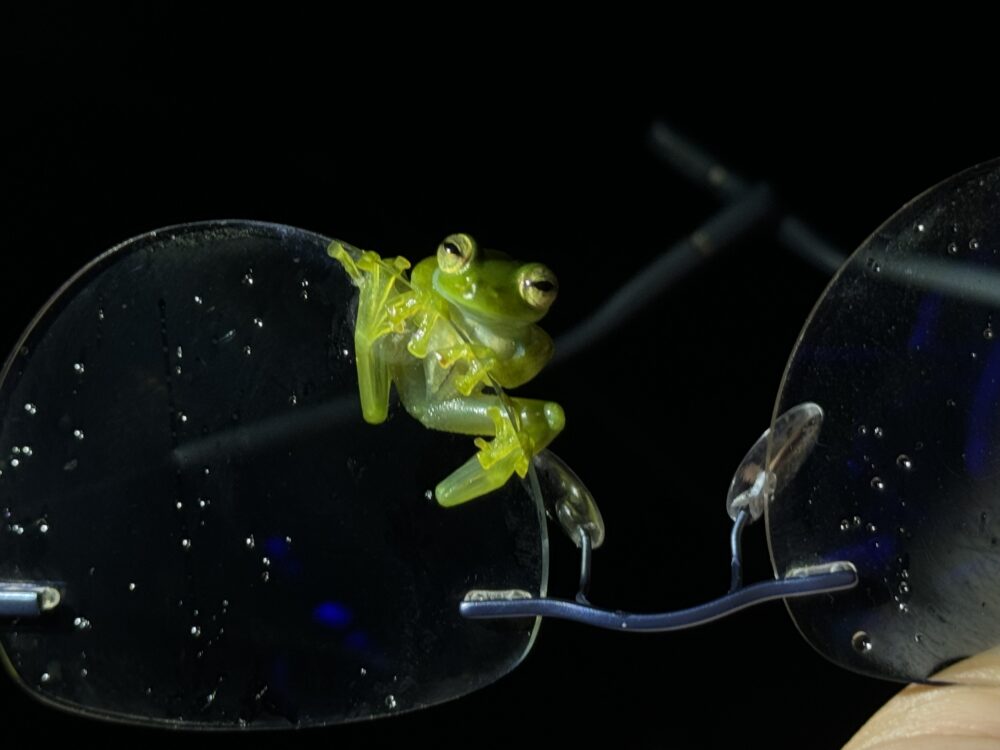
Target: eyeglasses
{"points": [[200, 531]]}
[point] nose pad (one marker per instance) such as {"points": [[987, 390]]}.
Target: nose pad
{"points": [[774, 459], [568, 500]]}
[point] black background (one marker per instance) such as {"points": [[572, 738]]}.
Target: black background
{"points": [[114, 126]]}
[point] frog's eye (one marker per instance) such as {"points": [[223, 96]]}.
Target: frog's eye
{"points": [[456, 252], [538, 286]]}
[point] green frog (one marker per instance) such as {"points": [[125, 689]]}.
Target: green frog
{"points": [[451, 336]]}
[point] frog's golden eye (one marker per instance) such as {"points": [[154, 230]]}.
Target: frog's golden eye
{"points": [[538, 286], [456, 252]]}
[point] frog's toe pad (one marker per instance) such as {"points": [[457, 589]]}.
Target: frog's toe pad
{"points": [[555, 416]]}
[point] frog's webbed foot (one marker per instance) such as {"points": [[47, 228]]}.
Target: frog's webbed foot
{"points": [[479, 362], [507, 453], [508, 446], [490, 468]]}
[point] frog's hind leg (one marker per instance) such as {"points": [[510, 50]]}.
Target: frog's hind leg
{"points": [[510, 450]]}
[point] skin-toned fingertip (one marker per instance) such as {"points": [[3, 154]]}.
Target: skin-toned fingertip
{"points": [[928, 717]]}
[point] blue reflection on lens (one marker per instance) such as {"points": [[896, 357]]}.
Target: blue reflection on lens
{"points": [[981, 417], [927, 316], [873, 554], [357, 640], [277, 547], [333, 615]]}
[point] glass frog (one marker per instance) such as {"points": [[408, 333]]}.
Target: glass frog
{"points": [[462, 327]]}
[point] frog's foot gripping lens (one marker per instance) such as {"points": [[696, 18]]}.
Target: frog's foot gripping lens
{"points": [[477, 367], [490, 468], [198, 530], [506, 448]]}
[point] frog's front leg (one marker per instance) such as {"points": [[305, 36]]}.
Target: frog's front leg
{"points": [[538, 423], [385, 302]]}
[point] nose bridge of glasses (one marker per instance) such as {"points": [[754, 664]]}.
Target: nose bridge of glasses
{"points": [[771, 463]]}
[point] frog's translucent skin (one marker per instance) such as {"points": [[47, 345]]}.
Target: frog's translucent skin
{"points": [[463, 322]]}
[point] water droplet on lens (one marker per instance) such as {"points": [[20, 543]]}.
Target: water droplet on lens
{"points": [[856, 520], [877, 432], [226, 337], [100, 313], [83, 672], [31, 409], [904, 607], [920, 227], [26, 450], [43, 528], [877, 484], [973, 244], [198, 300], [195, 631], [390, 701], [186, 543], [265, 576], [78, 368], [861, 642], [862, 430], [248, 277], [131, 587], [872, 528], [81, 623], [266, 562], [904, 588], [293, 399], [15, 463], [845, 525], [258, 322], [247, 350], [988, 333], [904, 462], [78, 434], [918, 637], [46, 677], [249, 542], [952, 248], [182, 416], [363, 671]]}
